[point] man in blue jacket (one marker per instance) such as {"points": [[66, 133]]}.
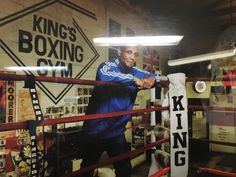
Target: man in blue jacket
{"points": [[108, 134]]}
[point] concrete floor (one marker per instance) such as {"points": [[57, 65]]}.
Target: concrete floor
{"points": [[220, 161], [141, 170]]}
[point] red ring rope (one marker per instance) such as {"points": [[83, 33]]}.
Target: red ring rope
{"points": [[99, 116], [17, 77], [212, 108], [233, 78], [215, 142], [216, 172], [199, 170], [13, 126], [161, 172], [22, 125]]}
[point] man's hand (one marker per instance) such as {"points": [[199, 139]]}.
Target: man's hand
{"points": [[145, 83], [149, 82], [138, 82]]}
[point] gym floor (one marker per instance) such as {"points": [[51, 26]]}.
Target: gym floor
{"points": [[220, 161]]}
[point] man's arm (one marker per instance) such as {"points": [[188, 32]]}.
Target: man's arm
{"points": [[109, 72], [149, 79]]}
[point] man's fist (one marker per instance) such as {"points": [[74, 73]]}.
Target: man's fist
{"points": [[149, 82], [138, 82], [145, 83]]}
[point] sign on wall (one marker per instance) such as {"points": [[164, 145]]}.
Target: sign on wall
{"points": [[49, 34]]}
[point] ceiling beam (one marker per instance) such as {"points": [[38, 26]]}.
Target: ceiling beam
{"points": [[216, 4], [223, 11]]}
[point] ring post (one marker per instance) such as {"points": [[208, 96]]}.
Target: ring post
{"points": [[178, 125]]}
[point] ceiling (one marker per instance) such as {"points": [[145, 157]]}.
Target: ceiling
{"points": [[221, 13], [202, 22]]}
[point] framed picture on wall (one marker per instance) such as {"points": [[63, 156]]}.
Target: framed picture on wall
{"points": [[25, 108], [114, 31], [129, 32], [114, 28]]}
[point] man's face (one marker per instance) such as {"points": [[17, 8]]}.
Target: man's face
{"points": [[128, 56]]}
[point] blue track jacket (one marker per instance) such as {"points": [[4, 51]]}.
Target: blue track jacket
{"points": [[113, 98]]}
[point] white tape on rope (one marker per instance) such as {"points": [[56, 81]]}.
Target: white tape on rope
{"points": [[178, 125]]}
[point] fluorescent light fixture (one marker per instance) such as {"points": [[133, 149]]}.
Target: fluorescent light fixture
{"points": [[138, 40], [35, 68], [205, 57]]}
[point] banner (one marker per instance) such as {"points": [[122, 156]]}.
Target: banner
{"points": [[7, 105], [178, 125], [10, 101]]}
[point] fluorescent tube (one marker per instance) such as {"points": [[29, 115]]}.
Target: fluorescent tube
{"points": [[204, 57], [35, 68], [138, 40]]}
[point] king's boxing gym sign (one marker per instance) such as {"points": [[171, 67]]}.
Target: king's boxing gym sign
{"points": [[49, 34], [50, 40], [178, 125]]}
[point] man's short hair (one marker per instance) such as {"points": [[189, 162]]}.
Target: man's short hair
{"points": [[122, 48]]}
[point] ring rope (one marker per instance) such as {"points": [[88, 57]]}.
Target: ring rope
{"points": [[163, 83], [120, 157], [232, 78], [199, 170], [100, 116], [214, 171], [214, 142], [161, 172], [13, 126], [212, 108], [23, 124], [18, 77]]}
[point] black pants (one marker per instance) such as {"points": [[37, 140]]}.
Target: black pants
{"points": [[93, 149]]}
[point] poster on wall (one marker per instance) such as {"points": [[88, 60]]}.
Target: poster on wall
{"points": [[25, 108], [7, 105]]}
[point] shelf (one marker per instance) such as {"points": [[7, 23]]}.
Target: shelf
{"points": [[65, 148]]}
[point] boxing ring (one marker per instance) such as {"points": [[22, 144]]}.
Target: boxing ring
{"points": [[177, 112]]}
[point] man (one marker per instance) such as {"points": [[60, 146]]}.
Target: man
{"points": [[108, 134]]}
